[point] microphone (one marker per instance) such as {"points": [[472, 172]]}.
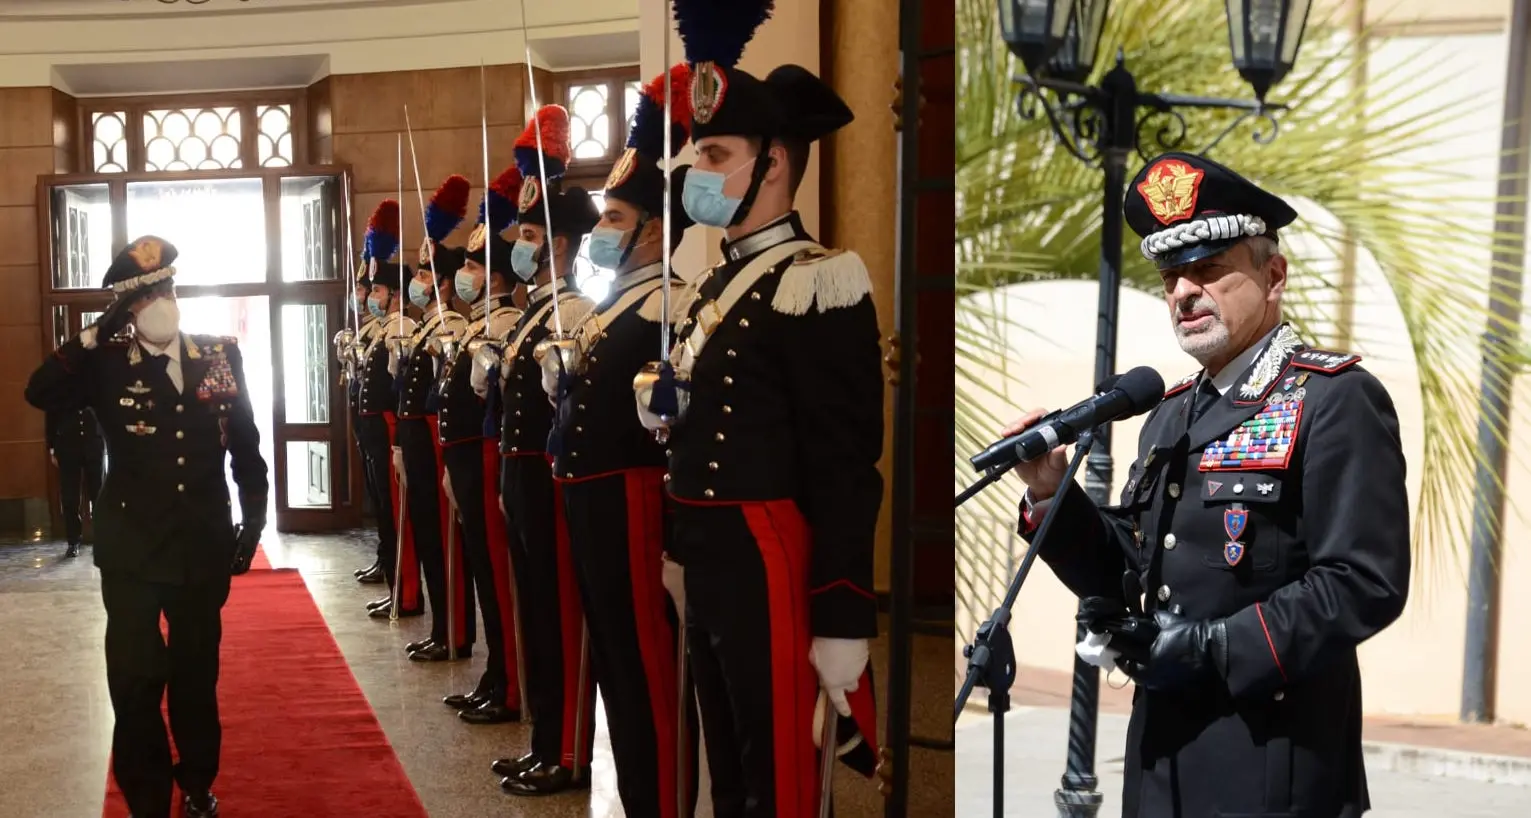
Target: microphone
{"points": [[1124, 396]]}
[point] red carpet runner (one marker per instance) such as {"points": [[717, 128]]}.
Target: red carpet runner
{"points": [[299, 738]]}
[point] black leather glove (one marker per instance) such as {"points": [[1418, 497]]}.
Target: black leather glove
{"points": [[1184, 652], [246, 539], [116, 317]]}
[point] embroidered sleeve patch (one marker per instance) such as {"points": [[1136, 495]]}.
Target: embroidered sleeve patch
{"points": [[1265, 441]]}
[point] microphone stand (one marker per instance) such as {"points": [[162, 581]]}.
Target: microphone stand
{"points": [[991, 657]]}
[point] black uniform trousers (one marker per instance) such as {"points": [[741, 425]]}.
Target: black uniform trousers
{"points": [[140, 663], [474, 467], [617, 537], [451, 614], [376, 435], [558, 678], [74, 469], [748, 635], [379, 502]]}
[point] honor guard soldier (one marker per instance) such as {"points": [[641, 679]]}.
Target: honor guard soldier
{"points": [[773, 466], [473, 457], [74, 446], [171, 407], [1263, 532], [350, 349], [611, 470], [430, 518], [559, 680], [379, 407]]}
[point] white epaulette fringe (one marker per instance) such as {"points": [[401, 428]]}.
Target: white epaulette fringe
{"points": [[831, 281]]}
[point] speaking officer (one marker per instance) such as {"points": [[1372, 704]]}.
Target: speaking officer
{"points": [[171, 407], [74, 446], [1263, 532], [415, 450], [350, 346], [773, 468], [559, 681], [611, 471], [473, 457], [379, 407]]}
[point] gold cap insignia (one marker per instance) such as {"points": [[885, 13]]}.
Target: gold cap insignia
{"points": [[146, 253], [1170, 190], [371, 268], [425, 252], [478, 238], [707, 89], [623, 169], [530, 193]]}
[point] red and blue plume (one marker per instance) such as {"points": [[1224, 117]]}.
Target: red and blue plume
{"points": [[502, 199], [383, 231], [647, 136], [447, 208], [717, 30], [554, 123]]}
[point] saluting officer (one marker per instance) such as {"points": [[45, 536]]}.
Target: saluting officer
{"points": [[1262, 535], [559, 681], [74, 446], [350, 345], [171, 407], [773, 468], [450, 592], [611, 471], [472, 457], [379, 407]]}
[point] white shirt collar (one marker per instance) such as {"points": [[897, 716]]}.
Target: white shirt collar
{"points": [[1229, 375]]}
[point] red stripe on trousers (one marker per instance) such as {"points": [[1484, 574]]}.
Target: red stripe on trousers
{"points": [[498, 542], [781, 534], [656, 640], [408, 575], [451, 532], [577, 706]]}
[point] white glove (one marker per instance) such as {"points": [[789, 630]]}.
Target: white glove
{"points": [[839, 663], [398, 462], [550, 379], [1095, 651], [88, 337], [673, 575], [479, 378]]}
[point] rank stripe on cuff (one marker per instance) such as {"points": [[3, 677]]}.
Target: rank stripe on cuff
{"points": [[1260, 612]]}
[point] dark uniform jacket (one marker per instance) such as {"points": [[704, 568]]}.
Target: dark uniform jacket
{"points": [[618, 337], [364, 337], [1282, 509], [164, 513], [73, 434], [461, 416], [377, 394], [786, 403], [527, 414], [417, 369]]}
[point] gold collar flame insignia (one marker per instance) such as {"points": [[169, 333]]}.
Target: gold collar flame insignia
{"points": [[531, 192], [707, 89], [478, 238], [623, 169], [1170, 190]]}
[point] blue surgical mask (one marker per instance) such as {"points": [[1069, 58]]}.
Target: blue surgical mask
{"points": [[523, 259], [377, 310], [468, 287], [419, 294], [704, 200], [606, 247]]}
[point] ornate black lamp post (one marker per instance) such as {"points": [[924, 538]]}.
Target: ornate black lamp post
{"points": [[1057, 41]]}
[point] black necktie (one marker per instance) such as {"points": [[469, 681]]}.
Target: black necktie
{"points": [[1206, 397]]}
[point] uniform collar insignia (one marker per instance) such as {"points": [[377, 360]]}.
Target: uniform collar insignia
{"points": [[1270, 364], [638, 276], [564, 283], [783, 230]]}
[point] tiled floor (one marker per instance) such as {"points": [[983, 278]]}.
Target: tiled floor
{"points": [[57, 718]]}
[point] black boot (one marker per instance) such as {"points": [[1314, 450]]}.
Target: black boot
{"points": [[73, 550], [437, 652], [201, 805], [490, 712], [360, 572], [545, 779], [511, 767], [372, 577], [466, 701], [420, 645]]}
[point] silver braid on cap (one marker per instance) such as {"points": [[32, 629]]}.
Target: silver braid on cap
{"points": [[1196, 231]]}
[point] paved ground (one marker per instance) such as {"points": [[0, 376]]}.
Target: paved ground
{"points": [[1035, 750]]}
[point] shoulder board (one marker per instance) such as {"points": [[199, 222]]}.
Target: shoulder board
{"points": [[208, 340], [829, 278], [1322, 360], [1181, 385]]}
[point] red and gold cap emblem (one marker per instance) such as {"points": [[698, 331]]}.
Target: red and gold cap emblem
{"points": [[707, 89], [146, 253], [425, 252], [531, 193], [478, 238], [623, 169], [1170, 190]]}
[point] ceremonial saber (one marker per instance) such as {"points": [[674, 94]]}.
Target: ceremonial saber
{"points": [[430, 245], [352, 309], [542, 170], [579, 713], [669, 168], [483, 118], [827, 743], [450, 556], [398, 550]]}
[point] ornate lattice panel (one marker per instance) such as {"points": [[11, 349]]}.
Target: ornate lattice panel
{"points": [[192, 139], [589, 124], [109, 141], [273, 135]]}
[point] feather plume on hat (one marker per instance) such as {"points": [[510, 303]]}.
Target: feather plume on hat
{"points": [[717, 31], [501, 199], [447, 208], [647, 136], [383, 231], [553, 122]]}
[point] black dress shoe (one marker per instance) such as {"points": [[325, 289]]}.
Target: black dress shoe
{"points": [[73, 550], [437, 652], [201, 805], [545, 779], [358, 573], [381, 611], [465, 701], [420, 645], [490, 713], [510, 767], [378, 603], [373, 577]]}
